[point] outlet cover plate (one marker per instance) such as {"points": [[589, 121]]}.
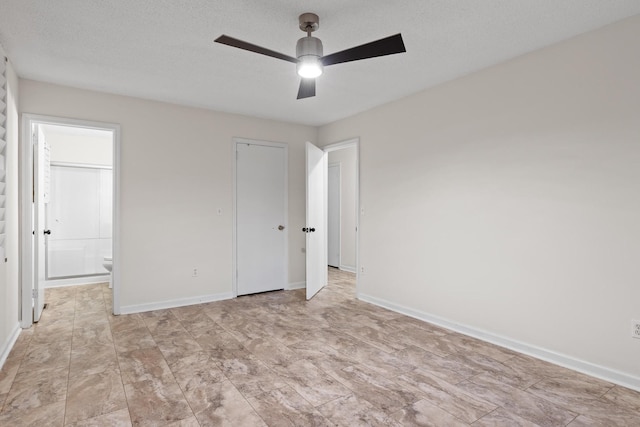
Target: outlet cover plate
{"points": [[635, 329]]}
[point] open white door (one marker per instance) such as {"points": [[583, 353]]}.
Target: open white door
{"points": [[316, 228], [40, 190]]}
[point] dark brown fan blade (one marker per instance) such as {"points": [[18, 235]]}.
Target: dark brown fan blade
{"points": [[382, 47], [307, 88], [230, 41]]}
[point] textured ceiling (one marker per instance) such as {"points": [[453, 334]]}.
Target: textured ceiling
{"points": [[164, 50]]}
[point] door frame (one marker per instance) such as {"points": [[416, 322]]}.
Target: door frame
{"points": [[234, 143], [26, 206], [337, 165], [349, 143]]}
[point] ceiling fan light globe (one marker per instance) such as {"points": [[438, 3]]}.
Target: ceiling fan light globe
{"points": [[309, 67]]}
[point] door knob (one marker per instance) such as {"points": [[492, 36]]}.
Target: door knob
{"points": [[308, 230], [47, 231], [281, 227]]}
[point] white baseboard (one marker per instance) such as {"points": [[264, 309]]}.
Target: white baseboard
{"points": [[348, 268], [181, 302], [602, 372], [296, 285], [76, 281], [8, 344]]}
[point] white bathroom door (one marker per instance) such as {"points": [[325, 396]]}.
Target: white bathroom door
{"points": [[41, 190], [316, 228], [261, 200], [333, 208]]}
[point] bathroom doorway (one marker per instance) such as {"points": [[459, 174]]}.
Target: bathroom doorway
{"points": [[69, 207], [78, 207], [342, 189]]}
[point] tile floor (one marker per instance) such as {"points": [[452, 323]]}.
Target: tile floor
{"points": [[275, 359]]}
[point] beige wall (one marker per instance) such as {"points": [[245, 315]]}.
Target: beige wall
{"points": [[175, 173], [346, 157], [507, 202], [9, 271]]}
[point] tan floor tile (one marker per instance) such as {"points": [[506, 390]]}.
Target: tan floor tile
{"points": [[125, 322], [92, 335], [450, 370], [285, 407], [114, 419], [502, 418], [187, 422], [46, 356], [195, 371], [222, 404], [144, 364], [93, 359], [446, 396], [250, 375], [32, 389], [177, 346], [518, 402], [313, 384], [133, 338], [424, 413], [624, 397], [353, 411], [384, 394], [154, 403], [94, 395], [7, 375], [50, 415], [574, 391]]}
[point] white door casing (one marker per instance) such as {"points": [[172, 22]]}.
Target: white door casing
{"points": [[261, 216], [316, 227], [334, 221], [40, 179], [355, 143], [28, 245]]}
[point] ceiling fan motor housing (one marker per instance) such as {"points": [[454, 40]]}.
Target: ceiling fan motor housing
{"points": [[309, 46], [309, 50]]}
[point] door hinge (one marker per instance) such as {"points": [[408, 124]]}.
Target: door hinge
{"points": [[34, 293]]}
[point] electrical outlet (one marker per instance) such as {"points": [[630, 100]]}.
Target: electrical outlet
{"points": [[635, 331], [194, 273]]}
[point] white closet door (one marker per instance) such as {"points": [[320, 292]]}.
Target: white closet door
{"points": [[260, 218]]}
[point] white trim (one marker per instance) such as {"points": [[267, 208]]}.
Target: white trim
{"points": [[76, 281], [26, 206], [295, 285], [8, 344], [348, 268], [234, 143], [80, 165], [339, 166], [180, 302], [353, 142], [598, 371]]}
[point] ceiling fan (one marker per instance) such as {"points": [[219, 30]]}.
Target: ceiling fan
{"points": [[309, 59]]}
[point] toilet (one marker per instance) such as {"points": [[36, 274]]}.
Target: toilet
{"points": [[108, 265]]}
